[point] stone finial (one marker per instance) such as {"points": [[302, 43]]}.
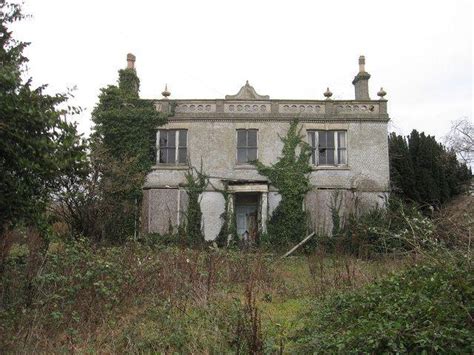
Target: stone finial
{"points": [[362, 64], [328, 94], [165, 92], [130, 61], [381, 94]]}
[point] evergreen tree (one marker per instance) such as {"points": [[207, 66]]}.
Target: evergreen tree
{"points": [[423, 170]]}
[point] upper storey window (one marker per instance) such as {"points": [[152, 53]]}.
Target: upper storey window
{"points": [[172, 146], [328, 147], [246, 145]]}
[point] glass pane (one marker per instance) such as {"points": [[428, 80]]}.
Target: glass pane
{"points": [[183, 135], [241, 155], [341, 139], [182, 155], [252, 154], [241, 138], [313, 157], [163, 155], [312, 139], [330, 156], [172, 138], [342, 156], [163, 138], [322, 157], [171, 156], [322, 139], [252, 138], [330, 139]]}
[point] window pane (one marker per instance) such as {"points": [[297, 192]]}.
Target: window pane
{"points": [[313, 157], [163, 138], [171, 156], [322, 157], [342, 156], [241, 155], [312, 139], [252, 137], [183, 135], [182, 155], [171, 138], [330, 156], [163, 155], [241, 138], [330, 139], [322, 139], [252, 154], [341, 139]]}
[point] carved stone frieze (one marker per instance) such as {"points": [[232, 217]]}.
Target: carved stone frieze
{"points": [[301, 108], [361, 108], [247, 107], [195, 108]]}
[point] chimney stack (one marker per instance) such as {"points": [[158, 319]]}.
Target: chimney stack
{"points": [[361, 81], [130, 61]]}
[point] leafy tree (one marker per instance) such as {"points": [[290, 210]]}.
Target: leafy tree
{"points": [[123, 150], [290, 175], [38, 146]]}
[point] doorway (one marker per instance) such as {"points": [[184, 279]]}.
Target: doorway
{"points": [[246, 215]]}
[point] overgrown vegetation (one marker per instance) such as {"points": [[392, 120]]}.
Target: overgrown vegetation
{"points": [[196, 183], [426, 309], [290, 176], [39, 148]]}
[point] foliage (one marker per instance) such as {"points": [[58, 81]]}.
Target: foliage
{"points": [[196, 183], [398, 227], [423, 170], [427, 309], [123, 151], [228, 232], [290, 175], [38, 146]]}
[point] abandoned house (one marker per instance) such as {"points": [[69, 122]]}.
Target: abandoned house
{"points": [[349, 155]]}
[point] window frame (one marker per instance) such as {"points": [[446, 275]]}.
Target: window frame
{"points": [[247, 146], [176, 147], [315, 148]]}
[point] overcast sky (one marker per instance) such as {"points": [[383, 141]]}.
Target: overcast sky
{"points": [[419, 51]]}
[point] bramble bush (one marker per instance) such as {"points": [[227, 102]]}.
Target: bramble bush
{"points": [[426, 309]]}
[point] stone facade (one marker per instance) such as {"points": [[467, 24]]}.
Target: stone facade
{"points": [[362, 180]]}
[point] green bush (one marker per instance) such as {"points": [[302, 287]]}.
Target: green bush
{"points": [[426, 309], [399, 227]]}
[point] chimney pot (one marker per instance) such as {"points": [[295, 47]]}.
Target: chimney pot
{"points": [[130, 61]]}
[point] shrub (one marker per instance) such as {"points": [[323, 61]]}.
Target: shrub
{"points": [[426, 309]]}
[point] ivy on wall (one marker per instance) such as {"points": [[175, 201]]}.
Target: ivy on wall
{"points": [[290, 176], [196, 183], [123, 149]]}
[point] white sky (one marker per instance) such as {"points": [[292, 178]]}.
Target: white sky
{"points": [[419, 51]]}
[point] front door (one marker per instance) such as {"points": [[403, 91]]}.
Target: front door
{"points": [[246, 218]]}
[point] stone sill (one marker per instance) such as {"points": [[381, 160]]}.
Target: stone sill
{"points": [[331, 167], [170, 167], [245, 167]]}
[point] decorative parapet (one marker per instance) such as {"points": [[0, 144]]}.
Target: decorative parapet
{"points": [[275, 109]]}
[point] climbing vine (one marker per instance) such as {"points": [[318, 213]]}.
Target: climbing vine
{"points": [[122, 153], [196, 183], [290, 175], [228, 232]]}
